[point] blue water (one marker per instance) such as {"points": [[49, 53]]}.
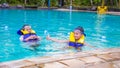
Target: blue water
{"points": [[103, 31]]}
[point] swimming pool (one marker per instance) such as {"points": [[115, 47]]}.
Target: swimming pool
{"points": [[103, 31]]}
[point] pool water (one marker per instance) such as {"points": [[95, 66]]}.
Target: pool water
{"points": [[102, 31]]}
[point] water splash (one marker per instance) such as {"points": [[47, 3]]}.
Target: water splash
{"points": [[6, 28], [103, 39], [46, 33], [70, 8]]}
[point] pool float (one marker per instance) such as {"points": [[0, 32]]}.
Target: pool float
{"points": [[102, 9]]}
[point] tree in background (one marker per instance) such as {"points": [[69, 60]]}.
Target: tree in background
{"points": [[14, 1], [3, 1], [119, 3], [41, 3], [56, 3]]}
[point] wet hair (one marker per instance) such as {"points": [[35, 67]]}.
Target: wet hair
{"points": [[80, 28], [25, 25]]}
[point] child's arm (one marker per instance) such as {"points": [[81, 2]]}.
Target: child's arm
{"points": [[21, 38], [56, 40]]}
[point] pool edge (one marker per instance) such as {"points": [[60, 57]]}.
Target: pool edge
{"points": [[88, 59]]}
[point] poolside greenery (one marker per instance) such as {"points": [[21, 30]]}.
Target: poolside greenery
{"points": [[63, 3]]}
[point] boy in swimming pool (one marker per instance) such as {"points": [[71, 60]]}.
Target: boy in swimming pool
{"points": [[76, 38], [27, 34]]}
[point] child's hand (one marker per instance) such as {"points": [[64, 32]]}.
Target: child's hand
{"points": [[48, 37], [39, 38]]}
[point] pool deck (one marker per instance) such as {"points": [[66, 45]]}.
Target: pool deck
{"points": [[107, 58], [113, 13]]}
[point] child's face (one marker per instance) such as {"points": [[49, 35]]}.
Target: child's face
{"points": [[77, 34], [27, 28]]}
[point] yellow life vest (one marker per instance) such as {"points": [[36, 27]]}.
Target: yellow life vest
{"points": [[26, 32], [72, 38]]}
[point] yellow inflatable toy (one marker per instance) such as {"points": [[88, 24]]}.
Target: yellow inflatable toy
{"points": [[102, 9]]}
